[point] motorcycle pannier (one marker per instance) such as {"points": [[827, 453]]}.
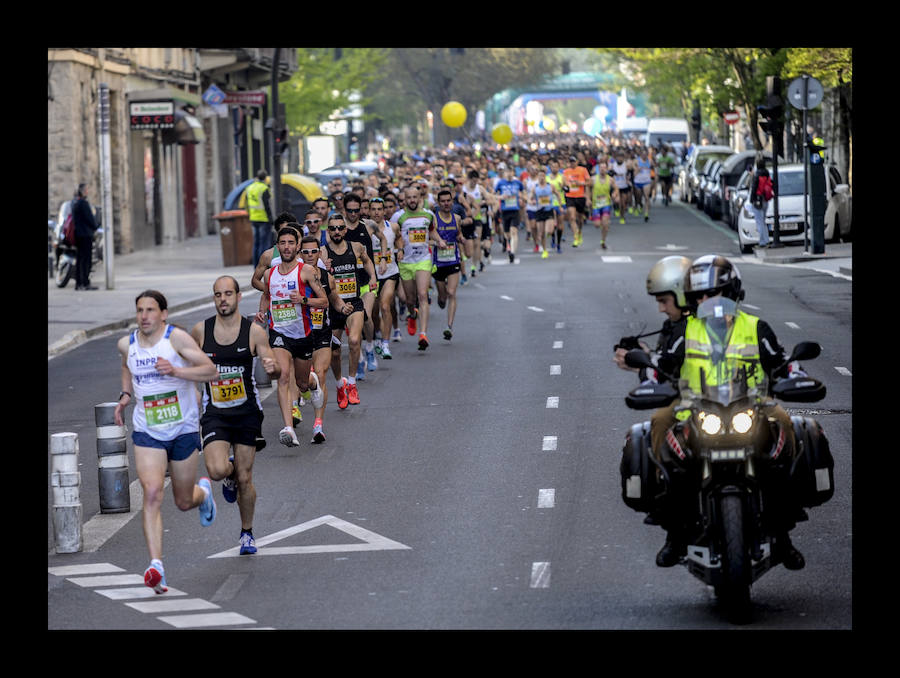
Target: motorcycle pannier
{"points": [[640, 485], [812, 474]]}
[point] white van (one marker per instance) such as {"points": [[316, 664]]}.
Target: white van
{"points": [[666, 130], [634, 127]]}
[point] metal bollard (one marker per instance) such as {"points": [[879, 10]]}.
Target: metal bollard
{"points": [[65, 479], [112, 461]]}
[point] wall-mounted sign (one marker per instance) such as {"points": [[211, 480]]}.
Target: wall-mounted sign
{"points": [[152, 114], [254, 98]]}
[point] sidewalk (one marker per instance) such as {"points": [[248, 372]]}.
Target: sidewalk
{"points": [[837, 257], [184, 272]]}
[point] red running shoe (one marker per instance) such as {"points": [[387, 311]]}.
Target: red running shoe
{"points": [[352, 394], [411, 322], [342, 397]]}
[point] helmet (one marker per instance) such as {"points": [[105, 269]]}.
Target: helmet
{"points": [[668, 275], [713, 275]]}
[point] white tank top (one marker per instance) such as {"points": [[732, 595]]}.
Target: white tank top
{"points": [[165, 407], [620, 171], [285, 317], [390, 257]]}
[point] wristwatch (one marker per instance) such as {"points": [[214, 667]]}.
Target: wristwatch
{"points": [[304, 301]]}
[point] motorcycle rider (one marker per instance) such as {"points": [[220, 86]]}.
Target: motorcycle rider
{"points": [[714, 280]]}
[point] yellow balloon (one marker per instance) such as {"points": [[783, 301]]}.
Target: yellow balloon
{"points": [[502, 133], [453, 114]]}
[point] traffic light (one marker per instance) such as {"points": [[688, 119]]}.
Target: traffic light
{"points": [[281, 136], [771, 122]]}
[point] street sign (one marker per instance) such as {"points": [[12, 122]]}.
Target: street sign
{"points": [[814, 93], [732, 117], [248, 98], [152, 114], [213, 95]]}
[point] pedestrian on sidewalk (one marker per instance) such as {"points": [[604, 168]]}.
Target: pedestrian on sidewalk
{"points": [[85, 227], [260, 215], [760, 194]]}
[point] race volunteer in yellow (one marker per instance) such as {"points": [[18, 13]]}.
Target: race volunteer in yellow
{"points": [[260, 215]]}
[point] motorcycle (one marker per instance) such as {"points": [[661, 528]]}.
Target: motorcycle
{"points": [[725, 455], [66, 255]]}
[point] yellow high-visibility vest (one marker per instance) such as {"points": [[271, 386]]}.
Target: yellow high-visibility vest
{"points": [[255, 204], [743, 343]]}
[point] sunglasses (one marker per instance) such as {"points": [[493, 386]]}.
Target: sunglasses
{"points": [[337, 228], [315, 251], [312, 223], [350, 211]]}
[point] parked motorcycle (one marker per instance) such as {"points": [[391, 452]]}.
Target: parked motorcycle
{"points": [[66, 255], [728, 453]]}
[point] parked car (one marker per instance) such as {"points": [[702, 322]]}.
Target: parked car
{"points": [[838, 211], [712, 197], [696, 160], [737, 194], [703, 178]]}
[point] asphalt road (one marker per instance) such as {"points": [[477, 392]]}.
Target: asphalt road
{"points": [[476, 486]]}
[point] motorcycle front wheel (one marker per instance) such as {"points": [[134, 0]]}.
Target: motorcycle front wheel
{"points": [[734, 588], [64, 271]]}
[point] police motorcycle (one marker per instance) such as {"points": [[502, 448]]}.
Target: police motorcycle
{"points": [[728, 455]]}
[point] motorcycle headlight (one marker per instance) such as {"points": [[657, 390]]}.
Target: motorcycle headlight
{"points": [[742, 421], [710, 424]]}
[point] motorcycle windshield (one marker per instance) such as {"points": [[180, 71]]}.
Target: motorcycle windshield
{"points": [[730, 377]]}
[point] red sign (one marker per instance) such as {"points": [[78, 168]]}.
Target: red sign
{"points": [[254, 98], [731, 117]]}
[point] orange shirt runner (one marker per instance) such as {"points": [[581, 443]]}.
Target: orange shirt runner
{"points": [[571, 175]]}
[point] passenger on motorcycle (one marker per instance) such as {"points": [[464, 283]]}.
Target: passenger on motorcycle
{"points": [[713, 277]]}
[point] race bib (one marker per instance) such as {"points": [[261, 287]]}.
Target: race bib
{"points": [[317, 318], [228, 390], [346, 284], [446, 253], [284, 312], [162, 410], [544, 200], [418, 235], [511, 201]]}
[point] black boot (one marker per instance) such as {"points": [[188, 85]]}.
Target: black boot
{"points": [[790, 557], [673, 550]]}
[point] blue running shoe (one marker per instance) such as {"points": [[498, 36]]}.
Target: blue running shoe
{"points": [[155, 577], [229, 485], [207, 506], [248, 546], [361, 371], [371, 363]]}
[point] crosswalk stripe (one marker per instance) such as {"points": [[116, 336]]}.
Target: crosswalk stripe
{"points": [[186, 621], [177, 605]]}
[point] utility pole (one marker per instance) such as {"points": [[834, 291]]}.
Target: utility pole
{"points": [[276, 142], [106, 188], [773, 124]]}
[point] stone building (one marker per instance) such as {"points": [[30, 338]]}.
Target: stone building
{"points": [[175, 154]]}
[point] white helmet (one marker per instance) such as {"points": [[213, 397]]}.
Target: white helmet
{"points": [[669, 275], [713, 274]]}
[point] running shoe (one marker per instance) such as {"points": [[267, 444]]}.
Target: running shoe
{"points": [[463, 279], [474, 275], [646, 218], [536, 249], [377, 346], [361, 370], [342, 399], [395, 335], [481, 264], [248, 546], [296, 415], [603, 244], [155, 578], [371, 362], [558, 249], [442, 303], [411, 322], [545, 255], [317, 396], [423, 342], [229, 484], [318, 434], [288, 438], [207, 507], [512, 257], [352, 394], [386, 351], [621, 220], [448, 334]]}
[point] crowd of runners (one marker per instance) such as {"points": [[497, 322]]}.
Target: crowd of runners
{"points": [[364, 261]]}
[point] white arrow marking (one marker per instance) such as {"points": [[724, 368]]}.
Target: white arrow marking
{"points": [[372, 541]]}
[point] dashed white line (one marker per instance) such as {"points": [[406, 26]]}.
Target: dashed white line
{"points": [[557, 344], [535, 309], [549, 443], [540, 575], [556, 369], [552, 402], [506, 298], [844, 371], [546, 498], [560, 325], [793, 326]]}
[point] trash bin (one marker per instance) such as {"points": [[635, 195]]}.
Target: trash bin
{"points": [[237, 237]]}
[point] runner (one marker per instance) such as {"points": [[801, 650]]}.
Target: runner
{"points": [[446, 259], [293, 289], [416, 229], [620, 168], [512, 193], [342, 257], [557, 181], [603, 194], [389, 278], [390, 209], [475, 199], [665, 166], [160, 364], [576, 178], [543, 194], [643, 181], [231, 421]]}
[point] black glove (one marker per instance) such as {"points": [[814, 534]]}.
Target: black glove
{"points": [[628, 343]]}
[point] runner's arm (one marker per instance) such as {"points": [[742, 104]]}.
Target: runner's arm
{"points": [[127, 382], [259, 346], [201, 369]]}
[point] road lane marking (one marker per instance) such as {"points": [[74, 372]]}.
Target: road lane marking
{"points": [[371, 541], [552, 402], [793, 326], [549, 443], [229, 589], [187, 621], [506, 298], [90, 568], [546, 498], [540, 575], [177, 605], [138, 592], [107, 580], [535, 309], [557, 344], [616, 260], [844, 371], [556, 369], [560, 326]]}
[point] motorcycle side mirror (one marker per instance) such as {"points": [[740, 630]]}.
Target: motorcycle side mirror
{"points": [[638, 358], [805, 350]]}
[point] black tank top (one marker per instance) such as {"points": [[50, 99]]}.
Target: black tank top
{"points": [[346, 275], [234, 392], [360, 234]]}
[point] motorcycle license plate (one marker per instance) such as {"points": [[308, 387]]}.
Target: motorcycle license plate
{"points": [[736, 454]]}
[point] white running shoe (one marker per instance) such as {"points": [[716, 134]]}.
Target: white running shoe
{"points": [[395, 335], [288, 437], [386, 351], [318, 397]]}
